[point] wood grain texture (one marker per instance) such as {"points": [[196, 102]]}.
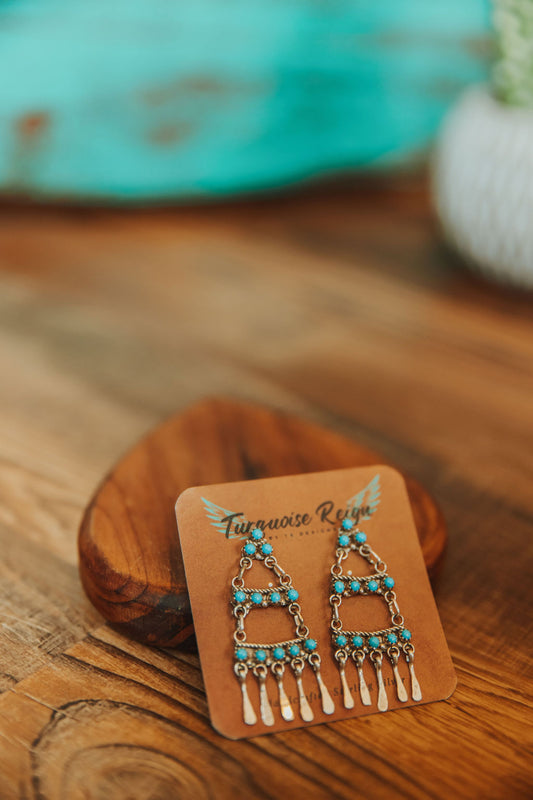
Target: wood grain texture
{"points": [[130, 559], [341, 308]]}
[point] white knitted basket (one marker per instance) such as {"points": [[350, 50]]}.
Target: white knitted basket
{"points": [[483, 185]]}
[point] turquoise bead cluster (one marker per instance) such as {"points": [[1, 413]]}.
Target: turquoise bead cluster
{"points": [[310, 645], [278, 653], [251, 548], [344, 539], [258, 598], [372, 585], [373, 641]]}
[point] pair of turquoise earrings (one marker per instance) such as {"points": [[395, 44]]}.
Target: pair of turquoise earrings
{"points": [[301, 651]]}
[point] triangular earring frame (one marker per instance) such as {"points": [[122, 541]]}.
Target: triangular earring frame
{"points": [[274, 657]]}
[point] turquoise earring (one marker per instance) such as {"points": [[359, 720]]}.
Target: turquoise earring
{"points": [[391, 642], [260, 659]]}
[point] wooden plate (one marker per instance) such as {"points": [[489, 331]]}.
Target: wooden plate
{"points": [[130, 561]]}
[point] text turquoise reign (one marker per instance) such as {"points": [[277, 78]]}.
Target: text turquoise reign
{"points": [[325, 513]]}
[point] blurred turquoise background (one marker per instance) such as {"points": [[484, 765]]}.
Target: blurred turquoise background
{"points": [[151, 99]]}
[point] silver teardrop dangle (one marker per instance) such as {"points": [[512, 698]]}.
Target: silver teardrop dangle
{"points": [[348, 700], [364, 694], [306, 711], [248, 713], [328, 706], [285, 707], [260, 671], [377, 660], [401, 691], [416, 692]]}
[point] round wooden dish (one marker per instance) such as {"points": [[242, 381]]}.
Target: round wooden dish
{"points": [[130, 561]]}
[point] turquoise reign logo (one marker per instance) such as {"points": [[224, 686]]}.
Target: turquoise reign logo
{"points": [[235, 525]]}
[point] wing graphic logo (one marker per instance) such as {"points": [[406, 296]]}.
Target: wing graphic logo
{"points": [[363, 504], [221, 519]]}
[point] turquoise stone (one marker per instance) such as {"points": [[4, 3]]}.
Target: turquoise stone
{"points": [[260, 655], [406, 635], [357, 641], [275, 597], [347, 524], [374, 641], [257, 534], [355, 586], [310, 645], [392, 638], [278, 653], [239, 596], [373, 586], [360, 538], [294, 650], [389, 582], [241, 654], [292, 594], [249, 548], [344, 540], [339, 587], [266, 548], [257, 598], [341, 640]]}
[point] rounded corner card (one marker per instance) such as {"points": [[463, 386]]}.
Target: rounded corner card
{"points": [[310, 599]]}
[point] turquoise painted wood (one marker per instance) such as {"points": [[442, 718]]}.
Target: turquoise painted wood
{"points": [[151, 99]]}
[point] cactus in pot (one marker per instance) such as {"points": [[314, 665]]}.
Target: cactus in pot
{"points": [[483, 171]]}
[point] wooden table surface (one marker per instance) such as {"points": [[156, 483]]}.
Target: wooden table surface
{"points": [[343, 306]]}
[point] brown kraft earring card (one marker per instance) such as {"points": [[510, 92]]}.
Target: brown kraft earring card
{"points": [[310, 599]]}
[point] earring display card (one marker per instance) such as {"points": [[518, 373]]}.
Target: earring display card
{"points": [[310, 600]]}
